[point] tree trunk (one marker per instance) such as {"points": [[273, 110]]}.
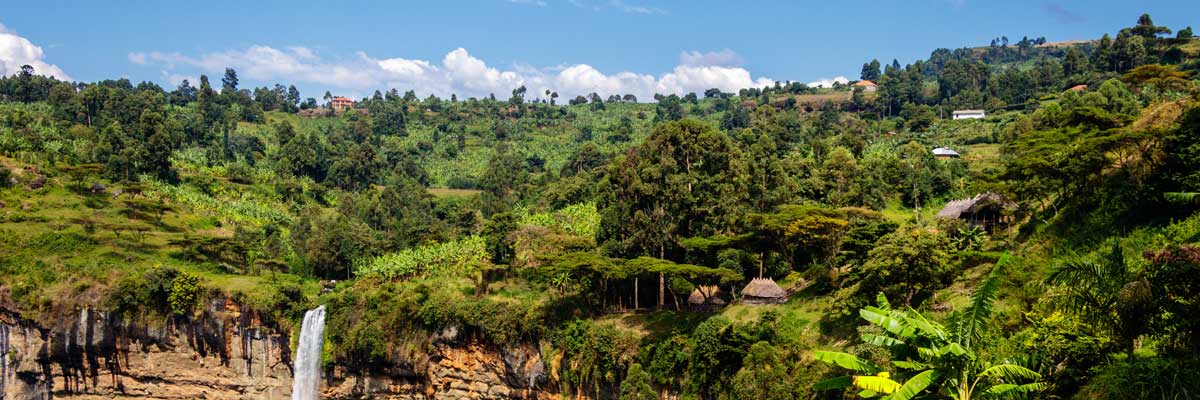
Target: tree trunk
{"points": [[762, 256], [662, 279], [662, 289], [635, 293]]}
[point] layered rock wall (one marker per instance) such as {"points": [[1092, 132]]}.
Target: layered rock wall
{"points": [[224, 353]]}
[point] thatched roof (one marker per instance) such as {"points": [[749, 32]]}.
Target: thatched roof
{"points": [[706, 294], [956, 209], [764, 288]]}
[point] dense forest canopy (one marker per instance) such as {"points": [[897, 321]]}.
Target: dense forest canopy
{"points": [[619, 232]]}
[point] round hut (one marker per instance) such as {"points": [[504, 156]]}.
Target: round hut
{"points": [[706, 297], [763, 291]]}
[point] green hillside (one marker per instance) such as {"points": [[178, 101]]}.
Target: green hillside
{"points": [[618, 235]]}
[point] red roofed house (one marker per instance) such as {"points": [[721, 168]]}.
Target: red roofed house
{"points": [[341, 103], [1078, 88], [867, 86]]}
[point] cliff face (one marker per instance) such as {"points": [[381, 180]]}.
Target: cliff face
{"points": [[225, 353], [221, 354], [455, 370]]}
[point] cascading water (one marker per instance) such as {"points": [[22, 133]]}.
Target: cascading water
{"points": [[3, 359], [306, 380]]}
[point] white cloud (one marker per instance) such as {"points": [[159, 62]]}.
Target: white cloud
{"points": [[723, 58], [302, 52], [16, 51], [828, 82], [172, 80], [459, 72], [636, 9], [137, 58]]}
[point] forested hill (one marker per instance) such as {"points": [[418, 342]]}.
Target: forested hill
{"points": [[617, 235]]}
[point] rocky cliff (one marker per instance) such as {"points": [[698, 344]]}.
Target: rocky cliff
{"points": [[225, 353]]}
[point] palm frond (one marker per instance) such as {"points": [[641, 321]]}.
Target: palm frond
{"points": [[1182, 197], [914, 386], [1010, 371], [952, 348], [1005, 389], [969, 324], [840, 382], [882, 302], [880, 340], [847, 361], [875, 383], [929, 328], [911, 365], [885, 319]]}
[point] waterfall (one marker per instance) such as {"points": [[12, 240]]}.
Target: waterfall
{"points": [[4, 330], [306, 376]]}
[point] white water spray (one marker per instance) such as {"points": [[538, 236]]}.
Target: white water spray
{"points": [[306, 376]]}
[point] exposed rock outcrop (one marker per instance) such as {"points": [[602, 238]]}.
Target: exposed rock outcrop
{"points": [[221, 354], [224, 353]]}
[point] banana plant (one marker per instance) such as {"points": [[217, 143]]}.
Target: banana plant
{"points": [[928, 358]]}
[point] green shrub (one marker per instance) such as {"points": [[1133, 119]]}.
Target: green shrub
{"points": [[185, 293], [128, 295], [1145, 378]]}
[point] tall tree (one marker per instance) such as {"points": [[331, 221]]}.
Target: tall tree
{"points": [[685, 180], [229, 82], [1145, 28], [870, 71]]}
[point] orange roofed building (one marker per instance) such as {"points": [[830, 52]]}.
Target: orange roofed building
{"points": [[867, 86], [341, 103]]}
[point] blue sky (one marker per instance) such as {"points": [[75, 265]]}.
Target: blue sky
{"points": [[571, 46]]}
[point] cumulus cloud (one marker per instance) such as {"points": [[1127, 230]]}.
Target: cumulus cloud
{"points": [[16, 51], [828, 82], [461, 73], [723, 58]]}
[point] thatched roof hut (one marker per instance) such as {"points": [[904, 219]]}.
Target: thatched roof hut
{"points": [[985, 210], [706, 297], [763, 291]]}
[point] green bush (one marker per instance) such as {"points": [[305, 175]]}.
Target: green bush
{"points": [[1145, 378], [185, 293], [128, 295]]}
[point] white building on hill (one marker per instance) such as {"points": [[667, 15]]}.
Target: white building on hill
{"points": [[969, 114]]}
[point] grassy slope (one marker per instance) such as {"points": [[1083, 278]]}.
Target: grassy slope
{"points": [[63, 249]]}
